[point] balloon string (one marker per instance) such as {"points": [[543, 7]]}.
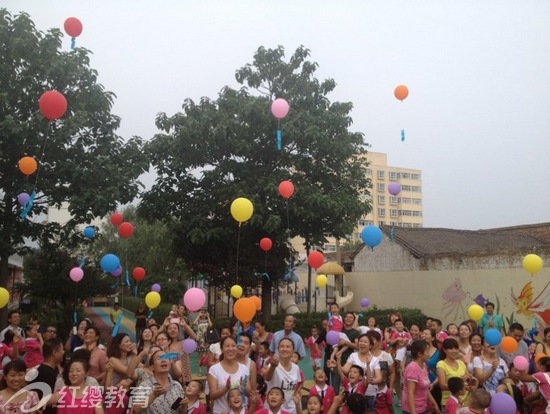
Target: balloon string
{"points": [[279, 135], [73, 42], [402, 135]]}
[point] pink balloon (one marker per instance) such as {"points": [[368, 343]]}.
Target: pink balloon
{"points": [[194, 299], [76, 274], [189, 345], [279, 108], [521, 363]]}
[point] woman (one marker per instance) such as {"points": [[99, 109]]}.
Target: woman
{"points": [[372, 325], [98, 357], [145, 339], [416, 382], [489, 368], [392, 317], [140, 372], [476, 349], [282, 372], [159, 392], [414, 330], [226, 374], [428, 335], [181, 368], [261, 334], [449, 365], [544, 347], [464, 346], [202, 324], [76, 396], [76, 338], [162, 341], [13, 399], [120, 353]]}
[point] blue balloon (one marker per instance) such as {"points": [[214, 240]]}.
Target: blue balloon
{"points": [[493, 337], [109, 263], [89, 232], [371, 236]]}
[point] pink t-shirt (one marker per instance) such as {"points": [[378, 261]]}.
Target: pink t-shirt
{"points": [[33, 353], [452, 406], [418, 375], [327, 393], [336, 323], [543, 378], [395, 335], [315, 351], [384, 400]]}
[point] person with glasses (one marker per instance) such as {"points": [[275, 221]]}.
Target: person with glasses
{"points": [[49, 333]]}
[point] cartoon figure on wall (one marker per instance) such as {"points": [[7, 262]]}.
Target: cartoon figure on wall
{"points": [[538, 308], [453, 297]]}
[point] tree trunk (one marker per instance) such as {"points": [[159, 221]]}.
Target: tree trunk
{"points": [[266, 299]]}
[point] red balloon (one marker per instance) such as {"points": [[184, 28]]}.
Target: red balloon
{"points": [[138, 273], [125, 230], [116, 219], [286, 189], [73, 26], [266, 244], [52, 104], [315, 259]]}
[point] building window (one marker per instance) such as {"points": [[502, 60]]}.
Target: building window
{"points": [[417, 214], [381, 187], [381, 199], [393, 212], [368, 172], [381, 211], [416, 177], [417, 201], [330, 248], [393, 175], [416, 189], [404, 175], [382, 223], [405, 188], [380, 174], [393, 200]]}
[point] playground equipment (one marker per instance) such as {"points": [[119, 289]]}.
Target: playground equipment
{"points": [[287, 303], [343, 301]]}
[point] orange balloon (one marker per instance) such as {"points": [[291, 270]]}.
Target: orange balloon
{"points": [[401, 92], [539, 356], [27, 165], [509, 344], [244, 309], [257, 302]]}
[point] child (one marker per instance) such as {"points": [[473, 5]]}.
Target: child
{"points": [[263, 358], [440, 335], [457, 390], [33, 347], [326, 392], [314, 405], [274, 399], [235, 401], [335, 321], [296, 360], [542, 377], [191, 403], [478, 401], [452, 331], [507, 386], [399, 339], [316, 352], [384, 395]]}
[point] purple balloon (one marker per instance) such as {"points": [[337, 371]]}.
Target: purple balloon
{"points": [[364, 302], [189, 346], [155, 287], [502, 403], [394, 188], [332, 338], [23, 198], [117, 272]]}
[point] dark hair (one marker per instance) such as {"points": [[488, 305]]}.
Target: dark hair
{"points": [[476, 334], [201, 387], [465, 324], [81, 355], [334, 304], [514, 391], [17, 365], [286, 339], [392, 313], [371, 335], [113, 350], [415, 324], [222, 342], [261, 386], [449, 343], [97, 332], [437, 321], [418, 347], [68, 366], [385, 372], [398, 320], [545, 362], [10, 313], [451, 324], [432, 333], [351, 313], [546, 330], [358, 368], [246, 335], [489, 304], [8, 337], [317, 397], [516, 327], [455, 384], [356, 403], [265, 344], [51, 345], [278, 389]]}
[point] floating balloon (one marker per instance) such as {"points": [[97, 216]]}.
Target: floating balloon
{"points": [[109, 263], [332, 338], [401, 92], [76, 274], [23, 198], [189, 346], [394, 188], [521, 363], [364, 302], [89, 232], [194, 299], [152, 300], [509, 344], [27, 165], [4, 297], [117, 272], [371, 236], [138, 273], [116, 219], [492, 336], [155, 287], [315, 259], [73, 26], [242, 209], [244, 309], [236, 291], [52, 104], [537, 356], [257, 301], [125, 230], [502, 403], [475, 312], [286, 189], [321, 281], [279, 108], [532, 263], [266, 244]]}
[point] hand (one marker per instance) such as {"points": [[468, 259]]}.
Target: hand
{"points": [[340, 399], [274, 361], [228, 384], [159, 390], [184, 402], [297, 398], [134, 348]]}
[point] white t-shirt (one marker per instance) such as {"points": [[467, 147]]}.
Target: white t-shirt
{"points": [[364, 329], [287, 381], [221, 375], [492, 382], [374, 364]]}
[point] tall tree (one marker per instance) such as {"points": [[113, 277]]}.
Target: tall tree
{"points": [[217, 150], [81, 159]]}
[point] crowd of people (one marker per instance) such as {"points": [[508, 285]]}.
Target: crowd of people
{"points": [[245, 368]]}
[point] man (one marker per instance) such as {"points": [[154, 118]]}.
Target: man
{"points": [[490, 320], [14, 319], [288, 332], [114, 314], [51, 367], [49, 333], [141, 320], [516, 331]]}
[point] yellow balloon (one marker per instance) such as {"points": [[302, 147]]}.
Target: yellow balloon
{"points": [[4, 297], [236, 291], [322, 281], [532, 263], [242, 209], [475, 312], [152, 300]]}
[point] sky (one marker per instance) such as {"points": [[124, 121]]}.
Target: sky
{"points": [[477, 119]]}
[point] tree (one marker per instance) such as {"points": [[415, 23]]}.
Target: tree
{"points": [[217, 150], [81, 159]]}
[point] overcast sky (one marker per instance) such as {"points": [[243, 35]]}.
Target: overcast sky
{"points": [[477, 118]]}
